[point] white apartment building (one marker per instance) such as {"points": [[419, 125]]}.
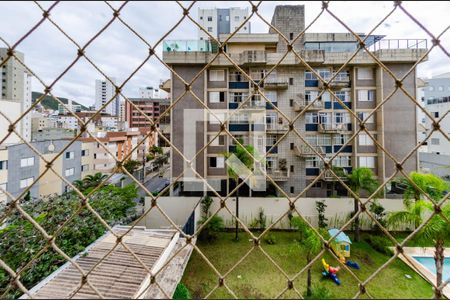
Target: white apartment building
{"points": [[104, 91], [16, 87], [149, 92], [222, 20], [436, 101]]}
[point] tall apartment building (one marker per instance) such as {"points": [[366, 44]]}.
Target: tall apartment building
{"points": [[15, 87], [436, 100], [20, 166], [149, 92], [153, 108], [222, 21], [104, 91], [326, 124]]}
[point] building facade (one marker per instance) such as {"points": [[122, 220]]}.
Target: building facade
{"points": [[149, 92], [104, 91], [20, 167], [16, 87], [436, 100], [222, 21], [326, 124]]}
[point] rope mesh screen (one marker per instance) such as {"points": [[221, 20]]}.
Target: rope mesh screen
{"points": [[14, 204]]}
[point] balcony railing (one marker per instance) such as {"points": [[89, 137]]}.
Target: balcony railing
{"points": [[253, 57], [278, 175], [306, 151], [277, 128], [272, 82], [186, 46], [341, 173], [333, 128], [399, 44], [300, 105], [339, 82]]}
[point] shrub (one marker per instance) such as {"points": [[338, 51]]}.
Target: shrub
{"points": [[216, 224], [379, 213], [319, 292], [380, 244], [320, 207], [181, 292], [270, 239]]}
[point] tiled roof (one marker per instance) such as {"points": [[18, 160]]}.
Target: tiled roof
{"points": [[120, 275]]}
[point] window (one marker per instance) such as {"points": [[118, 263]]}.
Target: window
{"points": [[70, 172], [236, 18], [291, 36], [84, 168], [292, 146], [436, 114], [70, 155], [24, 183], [95, 155], [365, 140], [431, 88], [434, 141], [84, 152], [367, 161], [216, 97], [311, 118], [218, 141], [342, 161], [291, 102], [209, 18], [201, 18], [238, 97], [366, 95], [440, 88], [27, 162], [4, 165], [217, 162], [227, 18], [216, 118], [292, 168], [363, 116], [364, 73], [343, 96], [209, 29], [292, 189], [312, 162], [291, 81], [310, 96], [216, 75]]}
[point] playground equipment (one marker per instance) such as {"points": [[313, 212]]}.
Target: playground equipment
{"points": [[330, 272], [341, 247]]}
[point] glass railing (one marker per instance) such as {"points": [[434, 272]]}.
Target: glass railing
{"points": [[186, 46]]}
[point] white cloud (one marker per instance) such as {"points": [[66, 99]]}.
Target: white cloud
{"points": [[117, 51]]}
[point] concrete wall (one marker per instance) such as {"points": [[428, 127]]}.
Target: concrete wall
{"points": [[437, 164], [289, 19], [180, 208]]}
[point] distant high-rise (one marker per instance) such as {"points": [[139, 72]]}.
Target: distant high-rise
{"points": [[16, 87], [222, 20], [104, 91], [149, 92]]}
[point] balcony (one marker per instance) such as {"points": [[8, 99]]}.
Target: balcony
{"points": [[341, 173], [339, 82], [277, 128], [278, 175], [333, 128], [272, 82], [253, 57], [300, 105], [306, 151], [186, 46]]}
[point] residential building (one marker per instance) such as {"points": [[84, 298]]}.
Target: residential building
{"points": [[70, 107], [95, 158], [148, 108], [16, 87], [327, 124], [105, 91], [20, 166], [436, 100], [222, 21], [40, 121], [149, 92], [50, 134], [100, 121]]}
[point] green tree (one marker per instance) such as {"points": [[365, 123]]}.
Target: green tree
{"points": [[431, 184], [20, 241], [92, 181], [131, 165], [361, 179], [436, 230], [155, 150], [242, 153], [312, 245]]}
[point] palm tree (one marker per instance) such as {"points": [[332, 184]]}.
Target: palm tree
{"points": [[79, 184], [312, 245], [94, 180], [436, 230], [247, 160], [361, 179]]}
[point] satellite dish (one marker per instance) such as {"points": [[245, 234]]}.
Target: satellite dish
{"points": [[51, 147]]}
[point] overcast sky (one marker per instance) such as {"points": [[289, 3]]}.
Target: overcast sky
{"points": [[118, 52]]}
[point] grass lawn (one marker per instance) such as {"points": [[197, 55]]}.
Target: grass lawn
{"points": [[257, 277]]}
